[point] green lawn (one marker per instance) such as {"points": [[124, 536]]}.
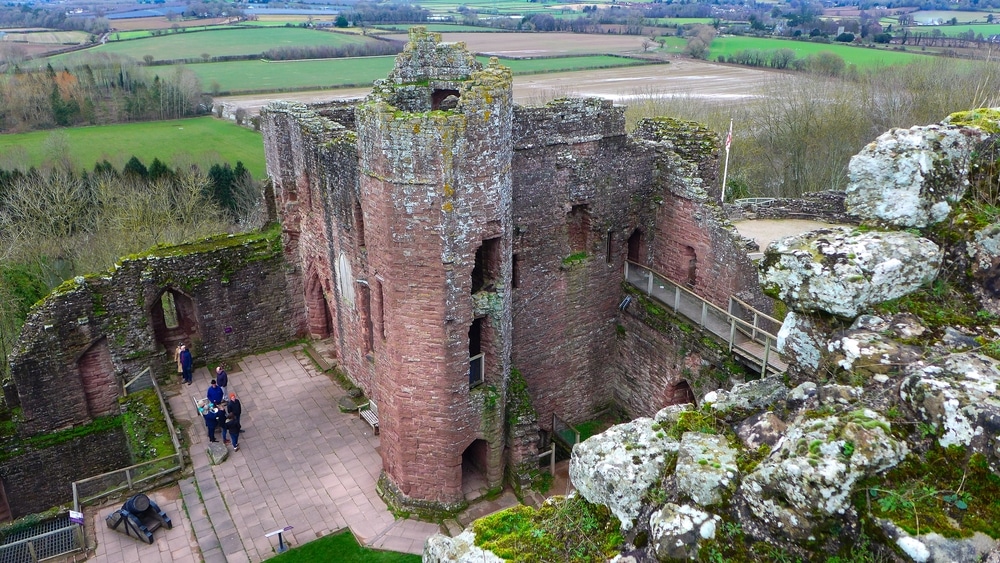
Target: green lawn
{"points": [[225, 42], [861, 56], [986, 29], [244, 76], [342, 548], [930, 16], [200, 140]]}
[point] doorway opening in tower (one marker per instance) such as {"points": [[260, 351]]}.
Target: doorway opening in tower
{"points": [[636, 247], [444, 99], [486, 271], [475, 459]]}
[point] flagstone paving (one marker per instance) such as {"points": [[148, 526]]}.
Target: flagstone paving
{"points": [[302, 463]]}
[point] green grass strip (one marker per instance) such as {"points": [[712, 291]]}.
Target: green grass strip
{"points": [[343, 548]]}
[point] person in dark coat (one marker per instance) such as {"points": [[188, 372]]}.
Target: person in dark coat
{"points": [[220, 421], [187, 364], [211, 421], [222, 378], [233, 426], [214, 393], [234, 407]]}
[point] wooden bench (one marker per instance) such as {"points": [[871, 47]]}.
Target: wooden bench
{"points": [[369, 413]]}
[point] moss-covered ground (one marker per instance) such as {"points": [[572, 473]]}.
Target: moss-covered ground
{"points": [[944, 491], [567, 530]]}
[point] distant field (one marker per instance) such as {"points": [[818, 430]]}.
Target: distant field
{"points": [[931, 16], [47, 36], [201, 140], [679, 21], [860, 56], [986, 29], [436, 27], [242, 41], [245, 76], [143, 33]]}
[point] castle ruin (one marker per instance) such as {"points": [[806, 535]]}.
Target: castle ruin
{"points": [[446, 238]]}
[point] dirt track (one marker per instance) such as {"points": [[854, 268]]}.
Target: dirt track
{"points": [[681, 77]]}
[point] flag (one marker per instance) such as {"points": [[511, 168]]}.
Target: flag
{"points": [[729, 139]]}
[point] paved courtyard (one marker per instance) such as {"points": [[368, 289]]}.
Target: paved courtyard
{"points": [[302, 463]]}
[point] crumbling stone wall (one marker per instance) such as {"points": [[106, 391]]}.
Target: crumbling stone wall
{"points": [[40, 479], [236, 285], [818, 206]]}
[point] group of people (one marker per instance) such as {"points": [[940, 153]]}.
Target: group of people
{"points": [[219, 413]]}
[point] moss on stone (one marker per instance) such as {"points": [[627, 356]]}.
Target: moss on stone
{"points": [[986, 119]]}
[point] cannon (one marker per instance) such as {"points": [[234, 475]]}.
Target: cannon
{"points": [[139, 517]]}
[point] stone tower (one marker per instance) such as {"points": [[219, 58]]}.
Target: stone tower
{"points": [[434, 155]]}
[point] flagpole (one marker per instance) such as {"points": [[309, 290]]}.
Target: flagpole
{"points": [[725, 169]]}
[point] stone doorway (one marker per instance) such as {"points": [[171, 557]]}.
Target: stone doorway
{"points": [[175, 319], [636, 247], [680, 394], [475, 460], [320, 318], [97, 373]]}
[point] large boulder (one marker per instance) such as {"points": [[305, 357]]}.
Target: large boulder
{"points": [[619, 466], [935, 548], [706, 467], [843, 271], [957, 395], [676, 531], [747, 397], [807, 481], [911, 177], [801, 342]]}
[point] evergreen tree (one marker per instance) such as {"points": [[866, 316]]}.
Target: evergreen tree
{"points": [[135, 168]]}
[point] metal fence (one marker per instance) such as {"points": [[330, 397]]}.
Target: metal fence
{"points": [[45, 540], [140, 476]]}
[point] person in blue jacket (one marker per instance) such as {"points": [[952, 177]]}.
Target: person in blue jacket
{"points": [[211, 421], [214, 393]]}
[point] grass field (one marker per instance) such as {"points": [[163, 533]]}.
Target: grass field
{"points": [[342, 548], [862, 57], [48, 37], [932, 16], [245, 76], [200, 140], [986, 29], [241, 41], [436, 27]]}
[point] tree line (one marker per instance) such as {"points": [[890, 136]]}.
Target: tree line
{"points": [[105, 90], [56, 223], [370, 49]]}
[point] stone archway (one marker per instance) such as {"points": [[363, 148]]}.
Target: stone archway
{"points": [[680, 394], [97, 375], [318, 314], [475, 462], [175, 319]]}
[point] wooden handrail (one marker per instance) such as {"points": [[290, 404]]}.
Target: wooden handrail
{"points": [[749, 329]]}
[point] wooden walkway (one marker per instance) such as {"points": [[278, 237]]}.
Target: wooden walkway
{"points": [[750, 334]]}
